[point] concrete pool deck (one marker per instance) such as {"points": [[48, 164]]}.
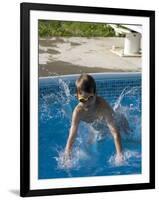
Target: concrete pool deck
{"points": [[74, 55]]}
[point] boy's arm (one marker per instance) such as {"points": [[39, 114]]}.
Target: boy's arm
{"points": [[109, 116], [73, 130], [116, 135]]}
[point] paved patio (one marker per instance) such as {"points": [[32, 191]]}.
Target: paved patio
{"points": [[74, 55]]}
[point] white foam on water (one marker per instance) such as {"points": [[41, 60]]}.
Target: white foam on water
{"points": [[128, 155], [73, 162]]}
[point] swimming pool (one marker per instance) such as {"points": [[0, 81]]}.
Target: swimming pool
{"points": [[56, 103]]}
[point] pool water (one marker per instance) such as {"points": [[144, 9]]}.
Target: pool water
{"points": [[56, 103]]}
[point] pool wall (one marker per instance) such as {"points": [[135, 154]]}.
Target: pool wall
{"points": [[109, 85]]}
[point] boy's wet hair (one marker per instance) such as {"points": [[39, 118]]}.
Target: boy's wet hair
{"points": [[86, 83]]}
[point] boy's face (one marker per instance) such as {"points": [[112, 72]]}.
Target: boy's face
{"points": [[86, 99]]}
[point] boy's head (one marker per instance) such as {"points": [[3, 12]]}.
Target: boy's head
{"points": [[86, 89]]}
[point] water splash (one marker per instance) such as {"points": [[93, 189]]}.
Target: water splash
{"points": [[57, 105], [66, 91], [73, 162], [128, 115], [127, 92], [127, 159], [117, 104]]}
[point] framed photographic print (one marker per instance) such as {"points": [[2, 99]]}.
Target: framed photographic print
{"points": [[87, 99]]}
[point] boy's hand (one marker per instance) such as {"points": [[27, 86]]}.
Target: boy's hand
{"points": [[119, 159], [66, 160]]}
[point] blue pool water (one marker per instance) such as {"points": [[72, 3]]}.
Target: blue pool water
{"points": [[56, 103]]}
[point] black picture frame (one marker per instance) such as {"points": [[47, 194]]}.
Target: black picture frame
{"points": [[25, 9]]}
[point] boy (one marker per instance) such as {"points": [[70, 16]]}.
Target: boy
{"points": [[89, 109]]}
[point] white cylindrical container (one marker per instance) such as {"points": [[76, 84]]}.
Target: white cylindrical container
{"points": [[132, 43]]}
